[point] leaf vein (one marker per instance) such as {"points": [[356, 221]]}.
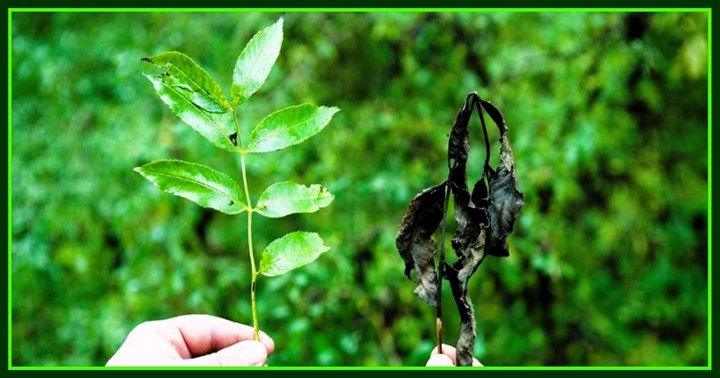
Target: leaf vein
{"points": [[199, 184], [202, 111]]}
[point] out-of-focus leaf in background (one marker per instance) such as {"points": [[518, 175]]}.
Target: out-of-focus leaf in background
{"points": [[608, 114]]}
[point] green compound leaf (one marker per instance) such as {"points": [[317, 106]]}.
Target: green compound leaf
{"points": [[284, 198], [291, 251], [198, 183], [255, 62], [191, 81], [288, 127], [218, 128]]}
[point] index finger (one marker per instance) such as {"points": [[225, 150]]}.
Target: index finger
{"points": [[205, 334]]}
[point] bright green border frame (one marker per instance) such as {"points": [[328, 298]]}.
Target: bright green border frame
{"points": [[9, 206], [709, 254], [350, 10]]}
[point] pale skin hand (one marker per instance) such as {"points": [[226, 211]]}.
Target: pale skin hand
{"points": [[447, 358], [193, 340]]}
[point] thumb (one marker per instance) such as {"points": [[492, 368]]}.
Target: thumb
{"points": [[244, 353]]}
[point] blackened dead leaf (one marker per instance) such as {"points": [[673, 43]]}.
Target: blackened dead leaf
{"points": [[484, 219], [469, 244], [469, 217], [466, 341], [414, 240], [459, 142], [506, 200], [496, 116]]}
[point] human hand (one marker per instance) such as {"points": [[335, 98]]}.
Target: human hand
{"points": [[447, 358], [193, 340]]}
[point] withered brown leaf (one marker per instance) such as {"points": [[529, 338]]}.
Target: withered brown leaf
{"points": [[484, 220], [506, 200], [415, 243], [470, 210], [471, 219], [466, 341]]}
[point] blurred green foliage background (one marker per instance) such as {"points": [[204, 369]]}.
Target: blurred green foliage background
{"points": [[607, 114]]}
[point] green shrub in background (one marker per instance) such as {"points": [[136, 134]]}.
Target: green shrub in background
{"points": [[608, 262]]}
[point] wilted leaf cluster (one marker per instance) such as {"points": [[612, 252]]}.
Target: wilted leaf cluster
{"points": [[484, 219]]}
